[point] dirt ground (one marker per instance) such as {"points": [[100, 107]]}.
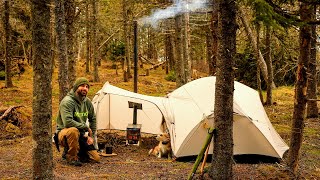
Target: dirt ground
{"points": [[131, 162]]}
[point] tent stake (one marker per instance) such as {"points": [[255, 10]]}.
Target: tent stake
{"points": [[200, 155]]}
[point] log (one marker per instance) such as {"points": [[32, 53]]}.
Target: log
{"points": [[157, 65], [145, 59]]}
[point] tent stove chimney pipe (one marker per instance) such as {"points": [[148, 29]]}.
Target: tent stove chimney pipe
{"points": [[135, 55], [135, 59]]}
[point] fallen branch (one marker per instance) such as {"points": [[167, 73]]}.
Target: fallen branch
{"points": [[147, 60], [8, 111], [313, 99], [108, 38], [157, 65]]}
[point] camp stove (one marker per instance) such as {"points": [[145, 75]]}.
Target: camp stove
{"points": [[133, 134], [133, 130]]}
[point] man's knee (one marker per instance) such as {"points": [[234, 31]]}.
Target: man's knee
{"points": [[72, 132]]}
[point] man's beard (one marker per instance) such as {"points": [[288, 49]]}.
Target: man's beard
{"points": [[82, 94]]}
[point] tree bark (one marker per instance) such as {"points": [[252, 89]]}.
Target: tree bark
{"points": [[152, 53], [300, 97], [7, 43], [70, 11], [312, 106], [94, 41], [269, 66], [169, 52], [186, 48], [88, 30], [258, 68], [179, 52], [172, 63], [261, 63], [61, 48], [126, 37], [42, 91], [223, 108], [214, 29]]}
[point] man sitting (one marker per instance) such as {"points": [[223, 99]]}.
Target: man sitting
{"points": [[72, 131]]}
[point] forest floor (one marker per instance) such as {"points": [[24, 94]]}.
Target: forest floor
{"points": [[133, 162]]}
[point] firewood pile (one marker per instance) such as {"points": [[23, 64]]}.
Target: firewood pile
{"points": [[117, 139], [13, 123]]}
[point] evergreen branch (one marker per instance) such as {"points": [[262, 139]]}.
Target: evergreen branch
{"points": [[284, 14], [280, 11]]}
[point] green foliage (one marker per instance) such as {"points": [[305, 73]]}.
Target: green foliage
{"points": [[263, 12], [117, 50], [171, 76], [246, 72], [2, 75]]}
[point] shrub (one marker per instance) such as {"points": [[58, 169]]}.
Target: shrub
{"points": [[171, 76], [2, 75]]}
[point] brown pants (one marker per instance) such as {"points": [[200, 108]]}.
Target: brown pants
{"points": [[72, 134]]}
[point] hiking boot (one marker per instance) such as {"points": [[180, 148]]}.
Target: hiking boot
{"points": [[75, 163], [64, 154], [66, 148]]}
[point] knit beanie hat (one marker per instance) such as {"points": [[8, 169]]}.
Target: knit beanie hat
{"points": [[80, 81]]}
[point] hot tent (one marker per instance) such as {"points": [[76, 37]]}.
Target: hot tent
{"points": [[188, 112]]}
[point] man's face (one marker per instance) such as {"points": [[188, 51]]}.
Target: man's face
{"points": [[83, 90]]}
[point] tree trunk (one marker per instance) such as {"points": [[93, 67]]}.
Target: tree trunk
{"points": [[61, 48], [269, 66], [172, 63], [94, 41], [223, 108], [126, 37], [70, 11], [261, 63], [258, 68], [186, 48], [300, 97], [209, 43], [312, 108], [151, 45], [214, 29], [88, 30], [42, 91], [7, 43], [53, 37], [169, 52], [179, 52]]}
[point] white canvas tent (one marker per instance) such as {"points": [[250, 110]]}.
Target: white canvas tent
{"points": [[188, 111]]}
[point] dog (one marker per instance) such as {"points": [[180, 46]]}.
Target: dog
{"points": [[163, 149]]}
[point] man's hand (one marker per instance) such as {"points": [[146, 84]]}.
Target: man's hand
{"points": [[89, 140], [90, 132]]}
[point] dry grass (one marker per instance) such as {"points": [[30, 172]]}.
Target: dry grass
{"points": [[132, 162]]}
